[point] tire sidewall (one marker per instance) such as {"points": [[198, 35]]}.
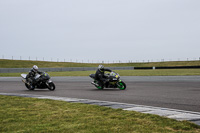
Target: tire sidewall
{"points": [[52, 85], [121, 82]]}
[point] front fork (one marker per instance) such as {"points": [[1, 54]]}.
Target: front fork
{"points": [[118, 83], [47, 83]]}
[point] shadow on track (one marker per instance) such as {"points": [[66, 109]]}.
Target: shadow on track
{"points": [[39, 90], [107, 90]]}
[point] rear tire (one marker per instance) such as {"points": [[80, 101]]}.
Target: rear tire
{"points": [[52, 86], [29, 87]]}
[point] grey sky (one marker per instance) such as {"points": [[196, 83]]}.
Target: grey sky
{"points": [[98, 30]]}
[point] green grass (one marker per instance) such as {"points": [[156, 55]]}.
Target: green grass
{"points": [[158, 72], [19, 114], [44, 64]]}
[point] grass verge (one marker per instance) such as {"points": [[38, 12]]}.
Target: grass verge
{"points": [[158, 72], [19, 114]]}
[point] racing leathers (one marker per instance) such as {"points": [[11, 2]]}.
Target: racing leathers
{"points": [[31, 76], [99, 75]]}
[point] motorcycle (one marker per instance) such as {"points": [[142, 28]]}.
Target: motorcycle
{"points": [[113, 81], [43, 83]]}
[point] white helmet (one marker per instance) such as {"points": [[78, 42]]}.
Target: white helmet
{"points": [[35, 68], [100, 67]]}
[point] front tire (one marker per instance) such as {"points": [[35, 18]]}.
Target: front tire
{"points": [[121, 85], [52, 86]]}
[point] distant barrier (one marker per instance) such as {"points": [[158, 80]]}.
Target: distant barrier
{"points": [[170, 67], [178, 67], [20, 70]]}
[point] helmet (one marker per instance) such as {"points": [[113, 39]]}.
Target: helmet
{"points": [[100, 67], [35, 68]]}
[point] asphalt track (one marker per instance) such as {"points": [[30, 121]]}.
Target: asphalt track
{"points": [[175, 92]]}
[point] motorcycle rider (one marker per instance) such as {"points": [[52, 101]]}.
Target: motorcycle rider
{"points": [[99, 75], [31, 75]]}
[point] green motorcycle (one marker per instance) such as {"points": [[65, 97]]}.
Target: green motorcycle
{"points": [[113, 81]]}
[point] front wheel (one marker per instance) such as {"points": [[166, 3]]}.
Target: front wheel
{"points": [[121, 85], [51, 86]]}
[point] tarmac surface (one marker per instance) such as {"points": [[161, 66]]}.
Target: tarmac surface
{"points": [[166, 93], [176, 92]]}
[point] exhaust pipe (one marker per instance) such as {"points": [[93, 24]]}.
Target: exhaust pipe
{"points": [[25, 82], [94, 84]]}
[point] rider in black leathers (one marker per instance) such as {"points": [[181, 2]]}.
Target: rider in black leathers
{"points": [[31, 75], [99, 75]]}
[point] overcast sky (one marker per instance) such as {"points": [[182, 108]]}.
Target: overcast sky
{"points": [[100, 30]]}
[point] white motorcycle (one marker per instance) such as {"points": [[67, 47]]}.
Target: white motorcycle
{"points": [[43, 83]]}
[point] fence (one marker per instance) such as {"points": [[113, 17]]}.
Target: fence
{"points": [[29, 58]]}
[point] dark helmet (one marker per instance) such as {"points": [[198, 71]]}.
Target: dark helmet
{"points": [[100, 67]]}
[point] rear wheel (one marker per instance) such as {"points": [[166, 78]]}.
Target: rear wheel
{"points": [[121, 85], [29, 87], [99, 86], [52, 86]]}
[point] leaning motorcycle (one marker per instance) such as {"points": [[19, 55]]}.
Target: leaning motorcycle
{"points": [[43, 83], [112, 82]]}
